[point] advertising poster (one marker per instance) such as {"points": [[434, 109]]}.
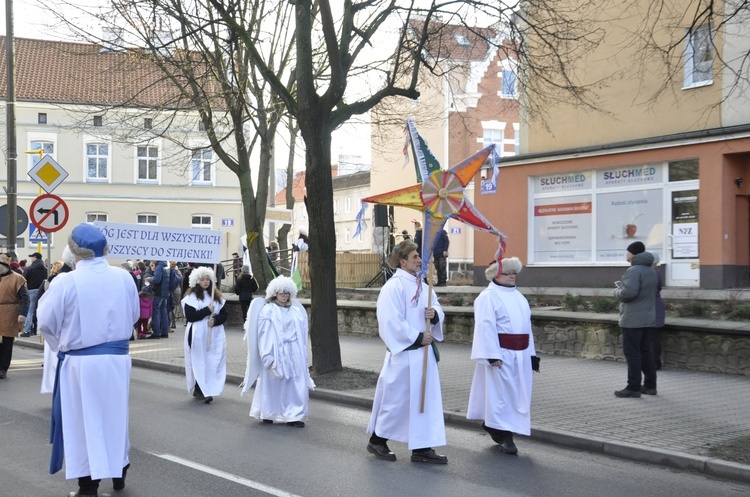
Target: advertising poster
{"points": [[562, 229], [649, 174], [626, 217], [685, 224]]}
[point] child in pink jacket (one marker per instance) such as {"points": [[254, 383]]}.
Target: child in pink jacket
{"points": [[146, 310]]}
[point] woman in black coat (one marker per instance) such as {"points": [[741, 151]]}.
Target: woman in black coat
{"points": [[245, 287]]}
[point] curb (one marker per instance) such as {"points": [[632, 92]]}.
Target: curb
{"points": [[687, 462]]}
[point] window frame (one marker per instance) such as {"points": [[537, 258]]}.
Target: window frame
{"points": [[97, 141], [201, 225], [690, 69], [157, 160], [206, 163], [147, 214], [97, 214], [44, 138]]}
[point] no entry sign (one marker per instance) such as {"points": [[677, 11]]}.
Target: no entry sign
{"points": [[49, 213]]}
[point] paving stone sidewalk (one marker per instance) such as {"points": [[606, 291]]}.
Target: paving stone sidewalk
{"points": [[573, 401]]}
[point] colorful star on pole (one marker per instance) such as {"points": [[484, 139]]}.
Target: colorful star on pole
{"points": [[441, 194]]}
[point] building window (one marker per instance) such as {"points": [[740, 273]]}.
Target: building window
{"points": [[41, 118], [96, 216], [201, 165], [46, 148], [516, 138], [98, 120], [335, 206], [201, 221], [462, 40], [148, 123], [97, 161], [147, 219], [347, 205], [509, 84], [699, 57], [148, 162], [347, 235], [683, 170], [495, 136]]}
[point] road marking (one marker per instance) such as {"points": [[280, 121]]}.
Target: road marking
{"points": [[227, 476], [26, 362], [145, 351]]}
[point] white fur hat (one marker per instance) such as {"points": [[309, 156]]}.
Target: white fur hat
{"points": [[510, 264], [281, 284], [68, 257], [198, 273]]}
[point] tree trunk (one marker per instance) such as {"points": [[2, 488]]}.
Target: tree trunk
{"points": [[324, 335], [256, 250]]}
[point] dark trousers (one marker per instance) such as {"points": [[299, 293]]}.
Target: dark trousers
{"points": [[656, 346], [244, 305], [6, 353], [376, 440], [441, 266], [637, 347], [87, 486]]}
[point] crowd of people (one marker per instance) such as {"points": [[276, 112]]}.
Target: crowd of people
{"points": [[407, 405]]}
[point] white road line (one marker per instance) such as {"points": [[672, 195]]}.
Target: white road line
{"points": [[227, 476]]}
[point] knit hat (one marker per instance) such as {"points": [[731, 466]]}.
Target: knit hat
{"points": [[245, 269], [636, 248]]}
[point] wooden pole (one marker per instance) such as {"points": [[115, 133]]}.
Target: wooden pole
{"points": [[426, 347], [213, 294]]}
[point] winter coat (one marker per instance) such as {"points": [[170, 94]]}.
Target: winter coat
{"points": [[35, 275], [637, 295], [245, 287], [14, 302], [146, 305], [160, 280]]}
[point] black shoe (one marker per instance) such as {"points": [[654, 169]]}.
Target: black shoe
{"points": [[496, 437], [268, 421], [625, 393], [508, 446], [428, 455], [164, 336], [296, 424], [197, 394], [27, 335], [79, 494], [648, 391], [381, 452], [208, 399], [3, 374], [119, 483], [152, 336]]}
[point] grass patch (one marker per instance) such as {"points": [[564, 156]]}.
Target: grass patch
{"points": [[694, 309], [737, 450], [605, 305], [740, 313]]}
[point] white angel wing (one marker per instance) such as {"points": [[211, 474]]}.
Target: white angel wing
{"points": [[253, 366]]}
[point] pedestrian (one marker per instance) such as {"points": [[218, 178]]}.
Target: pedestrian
{"points": [[205, 340], [440, 257], [160, 284], [14, 297], [418, 235], [236, 266], [273, 252], [244, 288], [88, 317], [35, 274], [175, 296], [636, 293], [503, 348], [145, 299], [402, 326], [279, 327], [405, 235]]}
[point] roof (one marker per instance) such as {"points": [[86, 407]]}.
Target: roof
{"points": [[455, 41], [66, 72], [343, 182]]}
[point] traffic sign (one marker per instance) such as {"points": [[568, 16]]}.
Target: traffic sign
{"points": [[48, 174], [22, 220], [36, 235], [49, 213]]}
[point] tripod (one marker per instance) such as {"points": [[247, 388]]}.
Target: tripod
{"points": [[385, 270]]}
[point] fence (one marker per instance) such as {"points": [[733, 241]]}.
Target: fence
{"points": [[352, 270]]}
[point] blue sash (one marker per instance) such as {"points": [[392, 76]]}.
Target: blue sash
{"points": [[119, 347]]}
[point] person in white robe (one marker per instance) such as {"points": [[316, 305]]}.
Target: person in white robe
{"points": [[278, 325], [49, 364], [88, 317], [503, 349], [205, 340], [402, 325]]}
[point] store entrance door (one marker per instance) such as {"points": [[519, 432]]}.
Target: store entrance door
{"points": [[681, 255]]}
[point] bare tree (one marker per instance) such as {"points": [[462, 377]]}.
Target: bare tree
{"points": [[207, 70]]}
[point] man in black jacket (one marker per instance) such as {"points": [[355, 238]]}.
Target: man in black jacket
{"points": [[440, 256], [35, 274]]}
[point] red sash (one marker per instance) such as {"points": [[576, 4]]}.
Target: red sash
{"points": [[514, 342]]}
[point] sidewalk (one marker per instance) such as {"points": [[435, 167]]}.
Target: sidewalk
{"points": [[573, 402]]}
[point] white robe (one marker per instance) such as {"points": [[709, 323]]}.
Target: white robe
{"points": [[206, 367], [94, 304], [501, 396], [281, 392], [395, 410]]}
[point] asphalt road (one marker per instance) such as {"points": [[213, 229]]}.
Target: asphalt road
{"points": [[182, 447]]}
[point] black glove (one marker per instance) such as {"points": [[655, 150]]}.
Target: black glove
{"points": [[535, 363]]}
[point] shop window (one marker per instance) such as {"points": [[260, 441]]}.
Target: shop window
{"points": [[683, 170]]}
